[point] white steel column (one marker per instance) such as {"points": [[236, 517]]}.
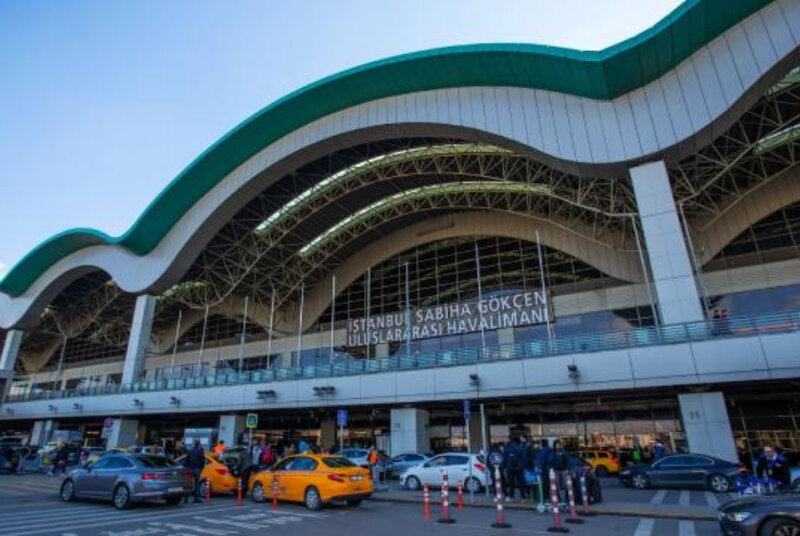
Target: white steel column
{"points": [[676, 289], [123, 433], [230, 428], [10, 350], [139, 339], [707, 425], [409, 431]]}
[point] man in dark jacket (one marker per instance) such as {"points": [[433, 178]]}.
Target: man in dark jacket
{"points": [[196, 460], [514, 465], [773, 466], [560, 463], [542, 463]]}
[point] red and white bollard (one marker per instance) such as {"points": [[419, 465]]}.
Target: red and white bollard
{"points": [[554, 499], [498, 498], [208, 491], [445, 501], [573, 516], [426, 502], [585, 497], [275, 492], [239, 493], [460, 497]]}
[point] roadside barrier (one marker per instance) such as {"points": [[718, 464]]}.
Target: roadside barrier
{"points": [[498, 498], [426, 502], [208, 490], [460, 498], [573, 516], [275, 492], [554, 499], [585, 497], [445, 501], [239, 493]]}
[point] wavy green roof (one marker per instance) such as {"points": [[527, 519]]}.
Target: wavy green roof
{"points": [[603, 74]]}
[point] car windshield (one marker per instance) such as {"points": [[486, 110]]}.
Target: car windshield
{"points": [[155, 461], [338, 462]]}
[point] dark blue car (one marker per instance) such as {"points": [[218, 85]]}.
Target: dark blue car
{"points": [[682, 471]]}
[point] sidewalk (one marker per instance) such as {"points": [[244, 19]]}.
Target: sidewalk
{"points": [[648, 503]]}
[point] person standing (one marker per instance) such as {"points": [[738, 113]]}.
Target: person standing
{"points": [[559, 462], [196, 461], [372, 460], [219, 449], [303, 446], [773, 466], [636, 452], [514, 459], [542, 463], [658, 450]]}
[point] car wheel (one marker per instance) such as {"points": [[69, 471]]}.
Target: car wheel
{"points": [[353, 502], [174, 500], [67, 492], [413, 483], [719, 483], [601, 471], [121, 497], [258, 493], [472, 485], [313, 500], [780, 527], [640, 481]]}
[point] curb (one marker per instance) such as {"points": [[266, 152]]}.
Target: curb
{"points": [[597, 511]]}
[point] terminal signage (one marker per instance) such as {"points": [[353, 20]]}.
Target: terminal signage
{"points": [[497, 312]]}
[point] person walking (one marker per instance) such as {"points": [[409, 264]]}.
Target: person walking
{"points": [[60, 460], [372, 460], [196, 461]]}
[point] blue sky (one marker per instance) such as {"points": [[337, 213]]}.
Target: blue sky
{"points": [[103, 103]]}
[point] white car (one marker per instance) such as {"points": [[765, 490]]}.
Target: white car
{"points": [[468, 470]]}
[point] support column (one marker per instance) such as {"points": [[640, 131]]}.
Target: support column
{"points": [[41, 432], [123, 433], [706, 423], [475, 433], [409, 431], [327, 433], [8, 360], [230, 427], [676, 289], [139, 340]]}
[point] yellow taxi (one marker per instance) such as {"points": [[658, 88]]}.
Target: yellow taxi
{"points": [[602, 461], [313, 480], [216, 474]]}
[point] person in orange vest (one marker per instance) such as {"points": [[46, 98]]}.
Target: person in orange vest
{"points": [[372, 460], [219, 448]]}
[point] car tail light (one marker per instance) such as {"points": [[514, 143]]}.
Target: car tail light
{"points": [[480, 467], [153, 476], [336, 478], [222, 470]]}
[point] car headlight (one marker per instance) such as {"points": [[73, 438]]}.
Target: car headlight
{"points": [[738, 517]]}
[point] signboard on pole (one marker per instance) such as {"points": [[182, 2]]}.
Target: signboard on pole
{"points": [[252, 421], [341, 418]]}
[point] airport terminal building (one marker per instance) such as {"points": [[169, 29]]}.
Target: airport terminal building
{"points": [[599, 246]]}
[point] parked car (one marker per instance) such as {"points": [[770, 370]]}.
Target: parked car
{"points": [[682, 470], [215, 474], [777, 515], [359, 457], [603, 462], [468, 470], [313, 480], [406, 461], [127, 478]]}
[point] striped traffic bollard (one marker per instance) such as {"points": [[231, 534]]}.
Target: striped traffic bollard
{"points": [[275, 492], [554, 499], [585, 497], [460, 498], [208, 491], [573, 516], [239, 492], [498, 498], [426, 502], [445, 501]]}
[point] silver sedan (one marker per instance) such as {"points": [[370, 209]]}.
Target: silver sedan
{"points": [[127, 478]]}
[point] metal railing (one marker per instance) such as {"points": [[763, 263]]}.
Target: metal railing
{"points": [[595, 342]]}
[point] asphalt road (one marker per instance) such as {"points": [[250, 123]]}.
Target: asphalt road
{"points": [[29, 505]]}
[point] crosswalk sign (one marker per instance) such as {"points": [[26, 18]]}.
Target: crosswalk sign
{"points": [[252, 420]]}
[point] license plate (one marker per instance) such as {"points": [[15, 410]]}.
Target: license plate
{"points": [[356, 478], [174, 490]]}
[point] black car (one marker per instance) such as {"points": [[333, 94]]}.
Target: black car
{"points": [[682, 471], [777, 515]]}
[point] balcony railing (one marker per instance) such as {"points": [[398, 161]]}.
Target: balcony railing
{"points": [[595, 342]]}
